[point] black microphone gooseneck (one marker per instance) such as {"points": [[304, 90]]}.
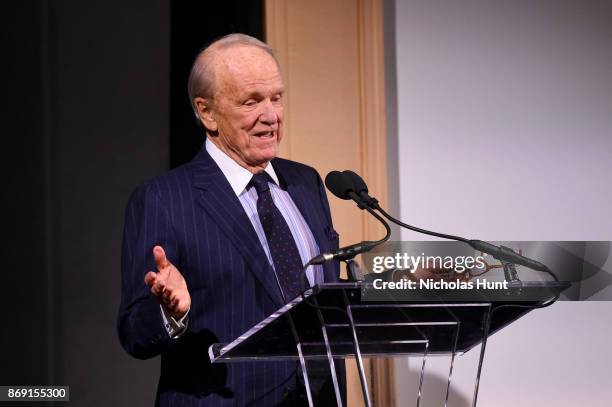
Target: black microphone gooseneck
{"points": [[341, 186], [505, 254], [499, 252]]}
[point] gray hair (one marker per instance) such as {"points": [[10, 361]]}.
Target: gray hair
{"points": [[202, 75]]}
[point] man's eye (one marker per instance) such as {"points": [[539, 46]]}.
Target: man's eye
{"points": [[250, 102], [276, 98]]}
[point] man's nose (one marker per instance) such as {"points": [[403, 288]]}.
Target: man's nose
{"points": [[269, 114]]}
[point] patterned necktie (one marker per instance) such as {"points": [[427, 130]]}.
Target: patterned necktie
{"points": [[284, 251]]}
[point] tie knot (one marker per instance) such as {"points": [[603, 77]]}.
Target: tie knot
{"points": [[260, 182]]}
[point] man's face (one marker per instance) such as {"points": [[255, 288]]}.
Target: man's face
{"points": [[247, 106]]}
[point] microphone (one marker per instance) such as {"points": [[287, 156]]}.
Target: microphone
{"points": [[499, 252], [506, 254], [339, 184], [342, 187], [360, 188], [344, 253]]}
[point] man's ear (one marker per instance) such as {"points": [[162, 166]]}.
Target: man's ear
{"points": [[205, 113]]}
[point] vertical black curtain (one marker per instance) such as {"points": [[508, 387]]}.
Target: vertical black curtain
{"points": [[194, 25], [94, 102]]}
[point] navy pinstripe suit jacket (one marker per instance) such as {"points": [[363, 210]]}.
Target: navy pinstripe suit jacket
{"points": [[195, 216]]}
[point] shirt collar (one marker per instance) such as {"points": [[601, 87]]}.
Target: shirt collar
{"points": [[238, 177]]}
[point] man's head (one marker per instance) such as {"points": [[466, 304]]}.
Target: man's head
{"points": [[236, 89]]}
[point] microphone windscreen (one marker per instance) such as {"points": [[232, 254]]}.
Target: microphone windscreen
{"points": [[339, 184], [359, 184]]}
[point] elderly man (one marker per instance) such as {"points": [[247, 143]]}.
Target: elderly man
{"points": [[213, 247]]}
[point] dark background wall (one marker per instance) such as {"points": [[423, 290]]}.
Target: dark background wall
{"points": [[94, 102], [194, 25]]}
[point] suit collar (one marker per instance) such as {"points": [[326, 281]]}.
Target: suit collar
{"points": [[237, 176]]}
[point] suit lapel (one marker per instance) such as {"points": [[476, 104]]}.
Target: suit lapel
{"points": [[217, 198]]}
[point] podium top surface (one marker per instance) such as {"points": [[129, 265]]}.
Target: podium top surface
{"points": [[389, 327]]}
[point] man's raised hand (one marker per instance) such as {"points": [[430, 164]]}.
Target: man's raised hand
{"points": [[168, 285]]}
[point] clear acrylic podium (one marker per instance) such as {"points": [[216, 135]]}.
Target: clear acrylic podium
{"points": [[346, 326]]}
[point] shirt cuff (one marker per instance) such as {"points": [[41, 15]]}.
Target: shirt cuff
{"points": [[174, 328]]}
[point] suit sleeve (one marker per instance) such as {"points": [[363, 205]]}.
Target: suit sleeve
{"points": [[140, 323]]}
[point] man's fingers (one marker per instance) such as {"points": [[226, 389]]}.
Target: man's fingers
{"points": [[166, 295], [160, 258], [156, 284], [159, 288], [165, 285], [150, 279]]}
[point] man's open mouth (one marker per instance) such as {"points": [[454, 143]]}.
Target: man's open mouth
{"points": [[265, 134]]}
